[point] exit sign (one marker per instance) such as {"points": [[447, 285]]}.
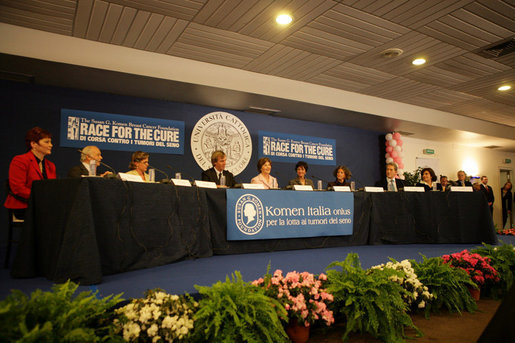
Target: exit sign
{"points": [[507, 160], [428, 151]]}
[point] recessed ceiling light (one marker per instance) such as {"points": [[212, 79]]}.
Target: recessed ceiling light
{"points": [[419, 61], [504, 88], [283, 19]]}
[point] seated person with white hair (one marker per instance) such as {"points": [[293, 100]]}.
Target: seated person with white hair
{"points": [[88, 154]]}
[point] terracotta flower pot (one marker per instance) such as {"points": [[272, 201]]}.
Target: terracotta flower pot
{"points": [[297, 333], [476, 293]]}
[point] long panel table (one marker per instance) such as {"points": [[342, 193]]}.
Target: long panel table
{"points": [[82, 229]]}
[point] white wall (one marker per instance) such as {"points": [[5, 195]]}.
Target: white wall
{"points": [[454, 157]]}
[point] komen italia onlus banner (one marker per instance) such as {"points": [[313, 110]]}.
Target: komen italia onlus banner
{"points": [[285, 147], [121, 132], [273, 214]]}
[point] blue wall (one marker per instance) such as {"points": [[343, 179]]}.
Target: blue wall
{"points": [[25, 106]]}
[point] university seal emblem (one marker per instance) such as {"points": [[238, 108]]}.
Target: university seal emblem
{"points": [[221, 131]]}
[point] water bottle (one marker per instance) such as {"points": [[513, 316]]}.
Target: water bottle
{"points": [[222, 180], [92, 168], [178, 176], [353, 186], [152, 175], [434, 186], [319, 185]]}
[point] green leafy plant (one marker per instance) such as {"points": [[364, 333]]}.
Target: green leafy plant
{"points": [[237, 311], [159, 317], [448, 285], [411, 179], [55, 316], [369, 301], [502, 258]]}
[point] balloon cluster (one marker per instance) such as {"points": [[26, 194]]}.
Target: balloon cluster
{"points": [[394, 151]]}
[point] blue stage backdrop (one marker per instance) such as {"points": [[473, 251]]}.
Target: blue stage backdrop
{"points": [[26, 105]]}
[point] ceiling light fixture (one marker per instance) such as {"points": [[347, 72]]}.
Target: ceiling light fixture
{"points": [[504, 88], [283, 19], [419, 61]]}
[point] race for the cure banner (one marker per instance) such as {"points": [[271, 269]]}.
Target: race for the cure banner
{"points": [[284, 147], [271, 214], [121, 132]]}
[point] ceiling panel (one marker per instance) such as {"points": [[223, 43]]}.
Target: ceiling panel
{"points": [[333, 43]]}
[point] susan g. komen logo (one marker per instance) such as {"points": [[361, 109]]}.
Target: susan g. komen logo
{"points": [[249, 214]]}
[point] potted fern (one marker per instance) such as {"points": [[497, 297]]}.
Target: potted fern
{"points": [[448, 285], [237, 311], [502, 258], [368, 301], [56, 316]]}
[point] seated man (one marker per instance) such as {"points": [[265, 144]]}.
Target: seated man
{"points": [[444, 184], [214, 174], [462, 179], [88, 154], [390, 183]]}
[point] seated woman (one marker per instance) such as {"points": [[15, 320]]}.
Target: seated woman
{"points": [[301, 168], [428, 180], [29, 167], [139, 165], [264, 166], [342, 174]]}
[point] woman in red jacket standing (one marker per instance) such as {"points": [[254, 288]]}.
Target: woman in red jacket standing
{"points": [[29, 167]]}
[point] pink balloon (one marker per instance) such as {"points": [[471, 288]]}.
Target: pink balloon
{"points": [[387, 155], [394, 154], [389, 149], [399, 142], [401, 165], [386, 143], [397, 136]]}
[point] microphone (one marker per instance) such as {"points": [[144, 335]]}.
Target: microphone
{"points": [[162, 172], [110, 176]]}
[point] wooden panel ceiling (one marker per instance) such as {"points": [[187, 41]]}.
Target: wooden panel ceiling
{"points": [[331, 43]]}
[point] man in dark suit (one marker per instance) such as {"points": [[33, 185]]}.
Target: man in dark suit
{"points": [[88, 154], [462, 179], [390, 183], [488, 192], [214, 174]]}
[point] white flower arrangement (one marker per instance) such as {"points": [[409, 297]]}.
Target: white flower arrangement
{"points": [[159, 317], [418, 294]]}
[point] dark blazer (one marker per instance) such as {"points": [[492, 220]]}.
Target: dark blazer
{"points": [[296, 181], [23, 170], [489, 194], [382, 183], [506, 201], [467, 183], [336, 183], [78, 171], [212, 175]]}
